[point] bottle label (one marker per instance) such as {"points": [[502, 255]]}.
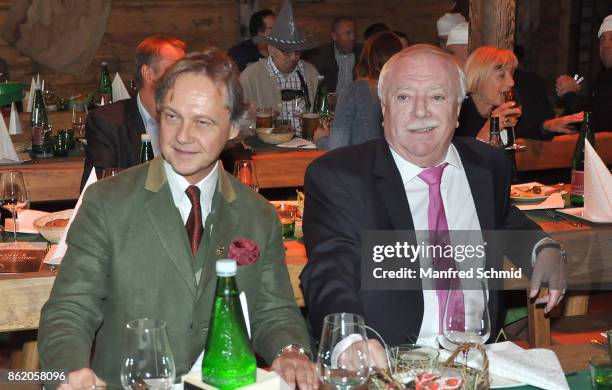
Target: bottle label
{"points": [[577, 182]]}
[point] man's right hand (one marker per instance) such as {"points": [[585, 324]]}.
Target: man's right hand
{"points": [[565, 84], [81, 379]]}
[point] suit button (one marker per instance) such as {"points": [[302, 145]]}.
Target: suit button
{"points": [[191, 326]]}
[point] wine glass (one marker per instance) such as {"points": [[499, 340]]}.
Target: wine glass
{"points": [[342, 361], [79, 116], [13, 195], [471, 326], [244, 171], [147, 362], [512, 96]]}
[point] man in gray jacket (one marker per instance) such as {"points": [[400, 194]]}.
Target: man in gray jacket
{"points": [[283, 81]]}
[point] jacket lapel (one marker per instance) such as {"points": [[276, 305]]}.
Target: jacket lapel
{"points": [[390, 188], [135, 125], [481, 185], [167, 223], [218, 231]]}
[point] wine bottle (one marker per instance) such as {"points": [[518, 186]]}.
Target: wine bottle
{"points": [[39, 123], [577, 186], [228, 361], [494, 135], [105, 89], [146, 149]]}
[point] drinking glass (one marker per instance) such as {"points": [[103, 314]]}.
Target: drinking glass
{"points": [[13, 195], [147, 362], [342, 361], [459, 326], [79, 116], [287, 214], [244, 171], [512, 96]]}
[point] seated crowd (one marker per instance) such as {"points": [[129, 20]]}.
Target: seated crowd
{"points": [[410, 115]]}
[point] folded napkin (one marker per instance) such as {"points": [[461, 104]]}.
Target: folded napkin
{"points": [[537, 367], [14, 122], [30, 102], [597, 187], [61, 245], [298, 143], [554, 201], [119, 90], [25, 221], [7, 149]]}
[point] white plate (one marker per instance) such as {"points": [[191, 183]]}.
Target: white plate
{"points": [[529, 197], [578, 212]]}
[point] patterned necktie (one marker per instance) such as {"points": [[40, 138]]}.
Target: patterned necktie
{"points": [[194, 221], [439, 235]]}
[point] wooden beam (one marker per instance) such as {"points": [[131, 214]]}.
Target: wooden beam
{"points": [[492, 23]]}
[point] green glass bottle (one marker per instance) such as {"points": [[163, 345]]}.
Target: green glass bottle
{"points": [[320, 104], [577, 187], [228, 361], [39, 123], [146, 149], [105, 89]]}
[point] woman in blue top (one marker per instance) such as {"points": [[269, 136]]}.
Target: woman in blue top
{"points": [[358, 116]]}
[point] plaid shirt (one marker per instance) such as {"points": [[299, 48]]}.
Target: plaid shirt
{"points": [[292, 108]]}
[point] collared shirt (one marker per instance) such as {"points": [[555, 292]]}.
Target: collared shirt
{"points": [[151, 125], [346, 63], [460, 214], [178, 184], [292, 108]]}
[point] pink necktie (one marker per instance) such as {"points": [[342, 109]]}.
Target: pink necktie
{"points": [[194, 221], [438, 229]]}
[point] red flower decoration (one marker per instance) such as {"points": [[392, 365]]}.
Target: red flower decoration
{"points": [[244, 251]]}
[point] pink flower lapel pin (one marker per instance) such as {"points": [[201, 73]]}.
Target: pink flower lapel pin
{"points": [[244, 251]]}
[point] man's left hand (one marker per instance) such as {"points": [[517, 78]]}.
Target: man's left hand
{"points": [[550, 267], [296, 368]]}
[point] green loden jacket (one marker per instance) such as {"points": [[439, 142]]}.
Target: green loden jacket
{"points": [[129, 257]]}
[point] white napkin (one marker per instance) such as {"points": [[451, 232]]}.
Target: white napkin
{"points": [[537, 367], [33, 86], [7, 149], [298, 143], [597, 187], [61, 245], [554, 201], [14, 122], [119, 90], [25, 221]]}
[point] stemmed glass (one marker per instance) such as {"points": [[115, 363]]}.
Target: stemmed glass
{"points": [[342, 361], [13, 195], [512, 96], [79, 117], [244, 171], [147, 362], [459, 328]]}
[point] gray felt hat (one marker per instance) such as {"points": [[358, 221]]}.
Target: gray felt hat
{"points": [[286, 35]]}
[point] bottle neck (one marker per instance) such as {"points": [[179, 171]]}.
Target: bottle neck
{"points": [[226, 286]]}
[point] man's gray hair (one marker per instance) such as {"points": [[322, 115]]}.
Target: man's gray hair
{"points": [[419, 49], [214, 64]]}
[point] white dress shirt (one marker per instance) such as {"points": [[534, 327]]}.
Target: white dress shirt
{"points": [[151, 125], [178, 184], [460, 215]]}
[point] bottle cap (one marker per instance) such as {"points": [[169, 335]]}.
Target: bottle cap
{"points": [[145, 137], [321, 77], [104, 63], [226, 267]]}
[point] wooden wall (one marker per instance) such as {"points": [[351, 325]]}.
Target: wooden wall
{"points": [[202, 22]]}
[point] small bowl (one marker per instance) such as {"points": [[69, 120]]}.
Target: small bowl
{"points": [[52, 233], [265, 134]]}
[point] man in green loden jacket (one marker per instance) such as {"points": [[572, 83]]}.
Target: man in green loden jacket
{"points": [[129, 255]]}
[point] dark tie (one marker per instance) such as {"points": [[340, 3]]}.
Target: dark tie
{"points": [[438, 229], [194, 222]]}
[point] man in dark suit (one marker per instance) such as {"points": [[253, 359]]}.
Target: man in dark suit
{"points": [[387, 185], [249, 51], [113, 131], [144, 244], [337, 59]]}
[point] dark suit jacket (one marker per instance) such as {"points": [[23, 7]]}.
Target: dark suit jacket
{"points": [[129, 257], [244, 53], [113, 136], [598, 99], [359, 188], [325, 62]]}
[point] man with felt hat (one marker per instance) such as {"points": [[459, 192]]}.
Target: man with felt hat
{"points": [[283, 81]]}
